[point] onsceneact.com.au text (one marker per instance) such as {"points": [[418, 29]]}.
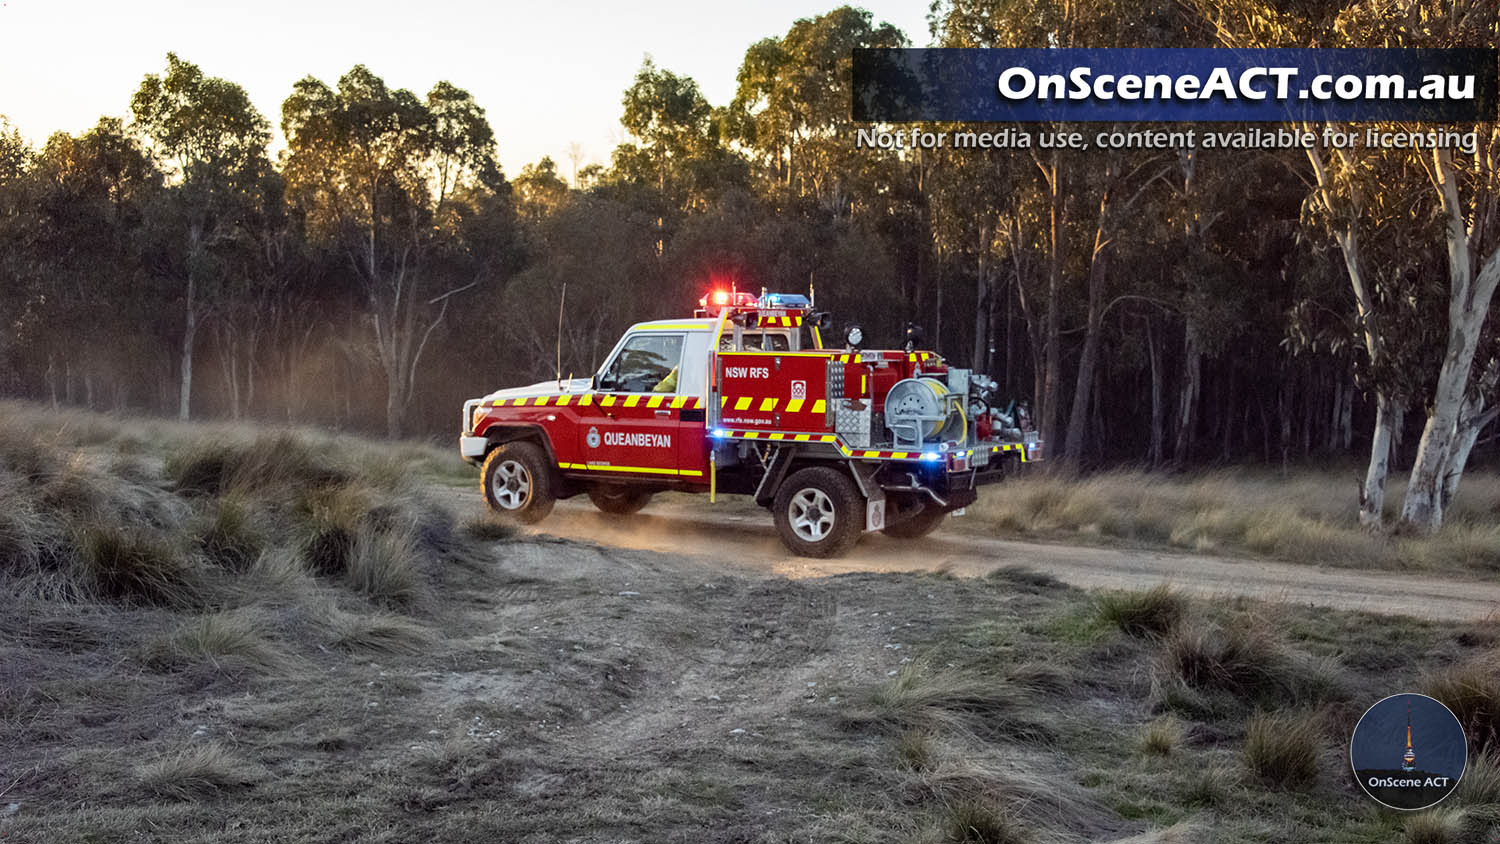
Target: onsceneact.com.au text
{"points": [[1252, 83]]}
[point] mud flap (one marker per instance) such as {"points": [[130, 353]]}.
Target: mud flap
{"points": [[875, 512]]}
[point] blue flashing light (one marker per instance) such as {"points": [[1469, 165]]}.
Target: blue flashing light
{"points": [[719, 433], [785, 300], [932, 457]]}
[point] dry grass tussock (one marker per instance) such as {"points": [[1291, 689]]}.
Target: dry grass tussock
{"points": [[1152, 612], [1214, 669], [1472, 690], [1301, 516], [1284, 749], [197, 771], [231, 643]]}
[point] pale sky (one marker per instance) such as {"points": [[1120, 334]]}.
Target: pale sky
{"points": [[548, 74]]}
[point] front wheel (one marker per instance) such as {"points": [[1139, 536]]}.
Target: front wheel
{"points": [[819, 512], [619, 500], [517, 482]]}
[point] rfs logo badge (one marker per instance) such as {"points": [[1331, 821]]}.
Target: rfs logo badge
{"points": [[593, 438], [799, 390]]}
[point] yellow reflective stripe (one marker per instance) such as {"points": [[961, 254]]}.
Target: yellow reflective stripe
{"points": [[864, 385], [802, 438], [498, 403], [768, 405], [778, 436], [698, 404], [678, 402], [750, 435], [827, 438], [723, 400], [742, 403], [870, 454], [843, 358], [586, 399], [691, 472], [819, 407], [632, 401], [562, 401], [900, 455], [794, 405], [655, 401], [608, 401], [541, 401], [645, 470]]}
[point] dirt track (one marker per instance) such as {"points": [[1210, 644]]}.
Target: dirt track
{"points": [[749, 542]]}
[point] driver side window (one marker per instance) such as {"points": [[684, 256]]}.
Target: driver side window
{"points": [[646, 363]]}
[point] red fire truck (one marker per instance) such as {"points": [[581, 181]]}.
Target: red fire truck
{"points": [[745, 399]]}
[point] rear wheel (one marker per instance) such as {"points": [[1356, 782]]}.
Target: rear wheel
{"points": [[619, 500], [819, 512], [923, 522], [517, 481]]}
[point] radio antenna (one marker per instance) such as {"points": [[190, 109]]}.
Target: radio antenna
{"points": [[561, 302]]}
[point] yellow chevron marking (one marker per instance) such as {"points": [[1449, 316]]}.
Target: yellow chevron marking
{"points": [[827, 438], [498, 403], [900, 455], [794, 406], [698, 404], [870, 454], [562, 401], [655, 401], [632, 401], [778, 436], [802, 438], [723, 400], [541, 401], [843, 358], [607, 401], [768, 405], [750, 435], [586, 399], [742, 403], [678, 402], [819, 407]]}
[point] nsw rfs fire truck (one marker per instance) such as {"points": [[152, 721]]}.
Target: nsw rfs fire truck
{"points": [[745, 399]]}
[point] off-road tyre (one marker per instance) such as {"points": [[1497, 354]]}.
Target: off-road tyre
{"points": [[517, 482], [819, 512], [618, 499], [925, 521]]}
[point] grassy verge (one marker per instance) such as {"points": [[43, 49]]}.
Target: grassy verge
{"points": [[1100, 718], [1304, 516]]}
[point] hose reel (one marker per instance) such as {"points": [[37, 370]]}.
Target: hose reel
{"points": [[923, 410]]}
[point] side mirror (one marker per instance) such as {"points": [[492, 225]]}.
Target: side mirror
{"points": [[822, 319]]}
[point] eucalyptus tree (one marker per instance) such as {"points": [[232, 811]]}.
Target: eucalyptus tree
{"points": [[791, 110], [1440, 201], [385, 179], [210, 140]]}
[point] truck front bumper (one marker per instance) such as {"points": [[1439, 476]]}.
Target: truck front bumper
{"points": [[472, 448]]}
